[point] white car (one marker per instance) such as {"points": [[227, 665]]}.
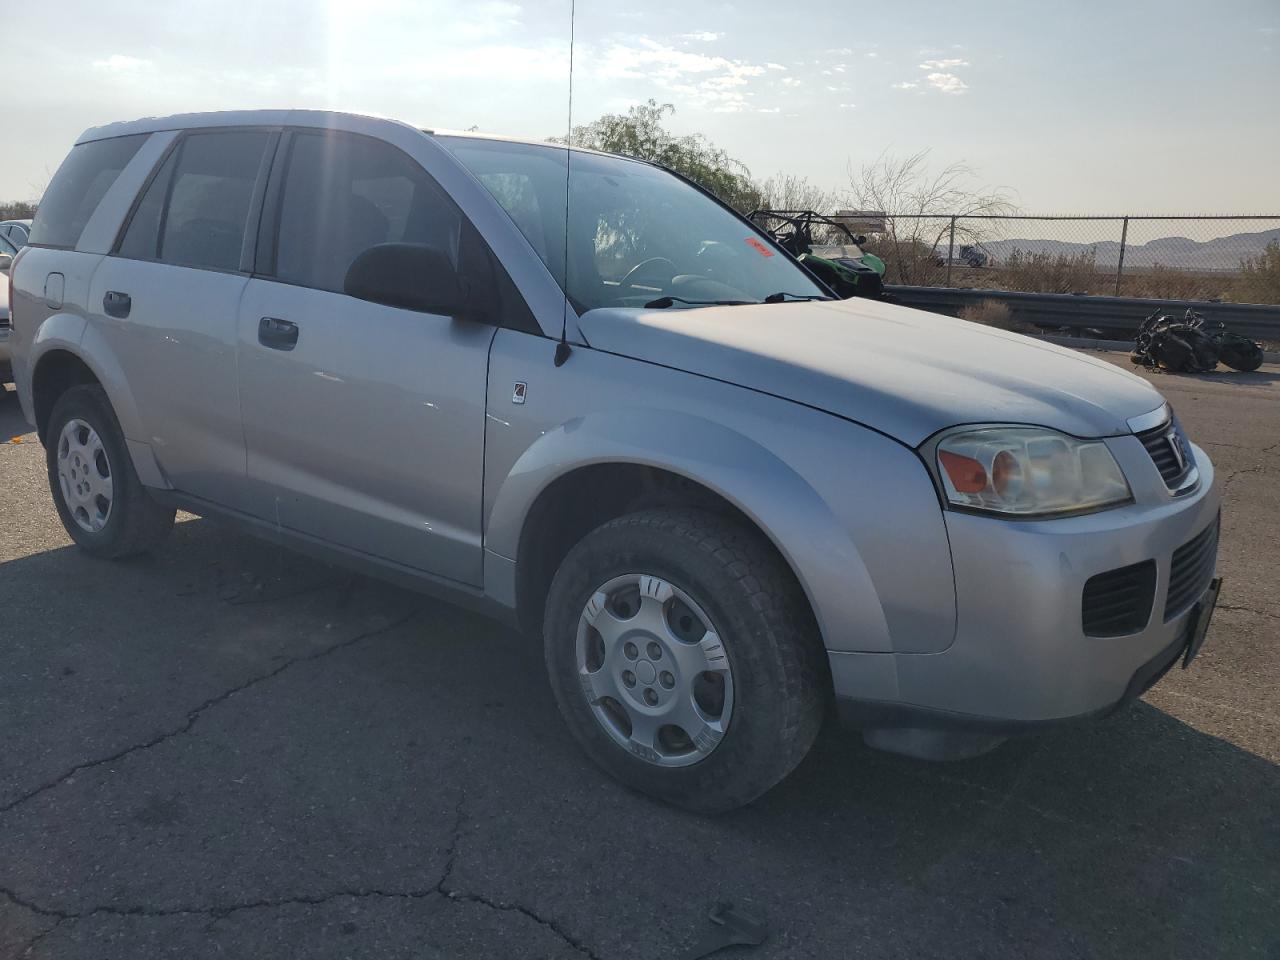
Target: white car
{"points": [[8, 251]]}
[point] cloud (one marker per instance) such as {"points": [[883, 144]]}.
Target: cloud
{"points": [[873, 54], [906, 85], [119, 63], [848, 106], [701, 36], [947, 82], [548, 62], [791, 81], [699, 79], [488, 19], [775, 66], [943, 64]]}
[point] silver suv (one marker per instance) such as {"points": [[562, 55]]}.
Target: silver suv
{"points": [[579, 392]]}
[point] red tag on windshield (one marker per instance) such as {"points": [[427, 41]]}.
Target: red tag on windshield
{"points": [[759, 247]]}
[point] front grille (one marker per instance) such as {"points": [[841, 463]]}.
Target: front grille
{"points": [[1169, 452], [1191, 571], [1119, 601]]}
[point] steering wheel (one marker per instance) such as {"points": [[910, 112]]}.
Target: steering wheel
{"points": [[630, 279]]}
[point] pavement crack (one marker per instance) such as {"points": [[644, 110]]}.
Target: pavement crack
{"points": [[195, 714], [219, 912], [26, 948], [447, 890], [286, 595], [505, 906], [1254, 610], [451, 852], [1236, 474]]}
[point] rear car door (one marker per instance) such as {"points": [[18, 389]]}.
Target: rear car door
{"points": [[364, 423], [168, 296]]}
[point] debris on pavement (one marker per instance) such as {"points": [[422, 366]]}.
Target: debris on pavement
{"points": [[733, 927]]}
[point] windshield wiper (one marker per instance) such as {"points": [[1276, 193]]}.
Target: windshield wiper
{"points": [[663, 302], [781, 297]]}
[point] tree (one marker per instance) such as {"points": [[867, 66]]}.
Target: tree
{"points": [[17, 210], [1260, 276], [640, 133], [918, 205], [786, 191]]}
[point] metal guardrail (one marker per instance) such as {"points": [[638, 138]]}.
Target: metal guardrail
{"points": [[1077, 312]]}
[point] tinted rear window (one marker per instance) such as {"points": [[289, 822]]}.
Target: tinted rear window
{"points": [[79, 185], [195, 211]]}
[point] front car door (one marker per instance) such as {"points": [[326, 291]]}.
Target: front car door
{"points": [[363, 423]]}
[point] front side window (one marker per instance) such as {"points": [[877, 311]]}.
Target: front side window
{"points": [[344, 194], [78, 187], [635, 233]]}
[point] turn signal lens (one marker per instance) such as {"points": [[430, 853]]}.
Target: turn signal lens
{"points": [[967, 474], [1028, 471]]}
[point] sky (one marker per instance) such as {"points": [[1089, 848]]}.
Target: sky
{"points": [[1127, 106]]}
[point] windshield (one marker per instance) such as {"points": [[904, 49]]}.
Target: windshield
{"points": [[636, 233]]}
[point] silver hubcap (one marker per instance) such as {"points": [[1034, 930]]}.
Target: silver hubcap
{"points": [[84, 473], [654, 670]]}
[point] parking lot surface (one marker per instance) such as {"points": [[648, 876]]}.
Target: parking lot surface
{"points": [[227, 750]]}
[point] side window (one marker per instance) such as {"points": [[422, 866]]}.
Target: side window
{"points": [[142, 237], [78, 187], [345, 194], [195, 210]]}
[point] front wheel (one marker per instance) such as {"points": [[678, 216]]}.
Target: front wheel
{"points": [[684, 658], [100, 499]]}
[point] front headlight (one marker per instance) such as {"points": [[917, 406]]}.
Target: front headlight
{"points": [[1028, 471]]}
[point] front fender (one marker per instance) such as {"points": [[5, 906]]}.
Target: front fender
{"points": [[780, 501]]}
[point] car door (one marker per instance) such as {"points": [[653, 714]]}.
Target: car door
{"points": [[167, 301], [363, 423]]}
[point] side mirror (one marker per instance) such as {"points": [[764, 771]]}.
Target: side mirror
{"points": [[6, 262], [409, 275]]}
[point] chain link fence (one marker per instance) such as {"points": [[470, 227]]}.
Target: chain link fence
{"points": [[1233, 259]]}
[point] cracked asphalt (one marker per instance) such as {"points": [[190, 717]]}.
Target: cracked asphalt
{"points": [[227, 750]]}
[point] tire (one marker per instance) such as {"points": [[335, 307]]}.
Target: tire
{"points": [[133, 522], [771, 673], [1246, 359]]}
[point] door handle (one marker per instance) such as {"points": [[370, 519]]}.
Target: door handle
{"points": [[116, 304], [277, 334]]}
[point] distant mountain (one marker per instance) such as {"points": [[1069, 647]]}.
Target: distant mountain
{"points": [[1222, 253]]}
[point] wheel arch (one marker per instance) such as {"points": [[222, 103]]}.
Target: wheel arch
{"points": [[57, 371], [59, 363], [589, 471]]}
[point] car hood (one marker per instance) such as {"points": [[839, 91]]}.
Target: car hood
{"points": [[906, 373]]}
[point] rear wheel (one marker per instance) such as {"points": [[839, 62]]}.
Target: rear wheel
{"points": [[684, 658], [99, 498]]}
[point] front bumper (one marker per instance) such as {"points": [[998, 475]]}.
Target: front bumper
{"points": [[1020, 657]]}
